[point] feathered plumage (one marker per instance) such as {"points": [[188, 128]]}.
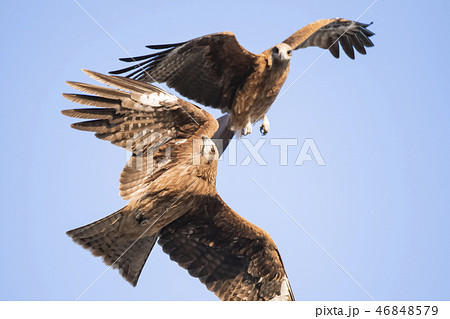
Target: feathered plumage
{"points": [[215, 70], [170, 184]]}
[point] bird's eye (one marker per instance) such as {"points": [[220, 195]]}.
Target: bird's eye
{"points": [[290, 52], [275, 50], [213, 150]]}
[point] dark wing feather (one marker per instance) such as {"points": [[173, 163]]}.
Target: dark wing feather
{"points": [[329, 33], [143, 119], [135, 112], [207, 69], [223, 135], [232, 257]]}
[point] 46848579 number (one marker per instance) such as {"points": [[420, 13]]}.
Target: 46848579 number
{"points": [[407, 310]]}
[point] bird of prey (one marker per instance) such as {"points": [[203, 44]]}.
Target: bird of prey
{"points": [[215, 70], [170, 184]]}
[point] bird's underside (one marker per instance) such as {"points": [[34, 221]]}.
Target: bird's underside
{"points": [[176, 203], [232, 257], [215, 70]]}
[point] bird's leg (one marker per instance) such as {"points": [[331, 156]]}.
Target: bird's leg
{"points": [[264, 129], [247, 129]]}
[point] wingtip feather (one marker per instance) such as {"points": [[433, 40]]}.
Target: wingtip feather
{"points": [[88, 72]]}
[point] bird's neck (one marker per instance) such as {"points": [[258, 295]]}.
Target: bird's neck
{"points": [[276, 73], [276, 64], [206, 183]]}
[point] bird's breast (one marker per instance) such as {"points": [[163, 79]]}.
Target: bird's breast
{"points": [[260, 91]]}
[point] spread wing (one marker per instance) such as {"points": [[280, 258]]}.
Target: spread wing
{"points": [[143, 119], [329, 33], [232, 257], [207, 69]]}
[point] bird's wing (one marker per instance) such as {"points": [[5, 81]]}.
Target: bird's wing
{"points": [[329, 33], [143, 119], [223, 135], [207, 69], [232, 257]]}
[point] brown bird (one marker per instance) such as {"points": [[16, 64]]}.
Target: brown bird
{"points": [[170, 184], [215, 70]]}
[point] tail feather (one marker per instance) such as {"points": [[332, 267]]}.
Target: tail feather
{"points": [[103, 239]]}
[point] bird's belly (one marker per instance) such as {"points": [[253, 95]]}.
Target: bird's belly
{"points": [[256, 97], [260, 104], [260, 107]]}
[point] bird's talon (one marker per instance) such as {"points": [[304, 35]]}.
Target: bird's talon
{"points": [[140, 218], [263, 130], [247, 129]]}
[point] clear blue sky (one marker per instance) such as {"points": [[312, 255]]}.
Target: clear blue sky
{"points": [[380, 205]]}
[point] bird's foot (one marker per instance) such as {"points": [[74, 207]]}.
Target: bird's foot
{"points": [[140, 218], [247, 129], [264, 129]]}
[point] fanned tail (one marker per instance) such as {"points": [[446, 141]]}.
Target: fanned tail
{"points": [[102, 238]]}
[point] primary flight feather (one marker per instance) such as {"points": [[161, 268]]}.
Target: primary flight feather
{"points": [[215, 70], [170, 184]]}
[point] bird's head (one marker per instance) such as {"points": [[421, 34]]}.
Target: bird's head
{"points": [[209, 152], [282, 52], [206, 155]]}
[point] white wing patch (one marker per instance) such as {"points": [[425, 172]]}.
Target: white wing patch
{"points": [[284, 291], [180, 141], [157, 99]]}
